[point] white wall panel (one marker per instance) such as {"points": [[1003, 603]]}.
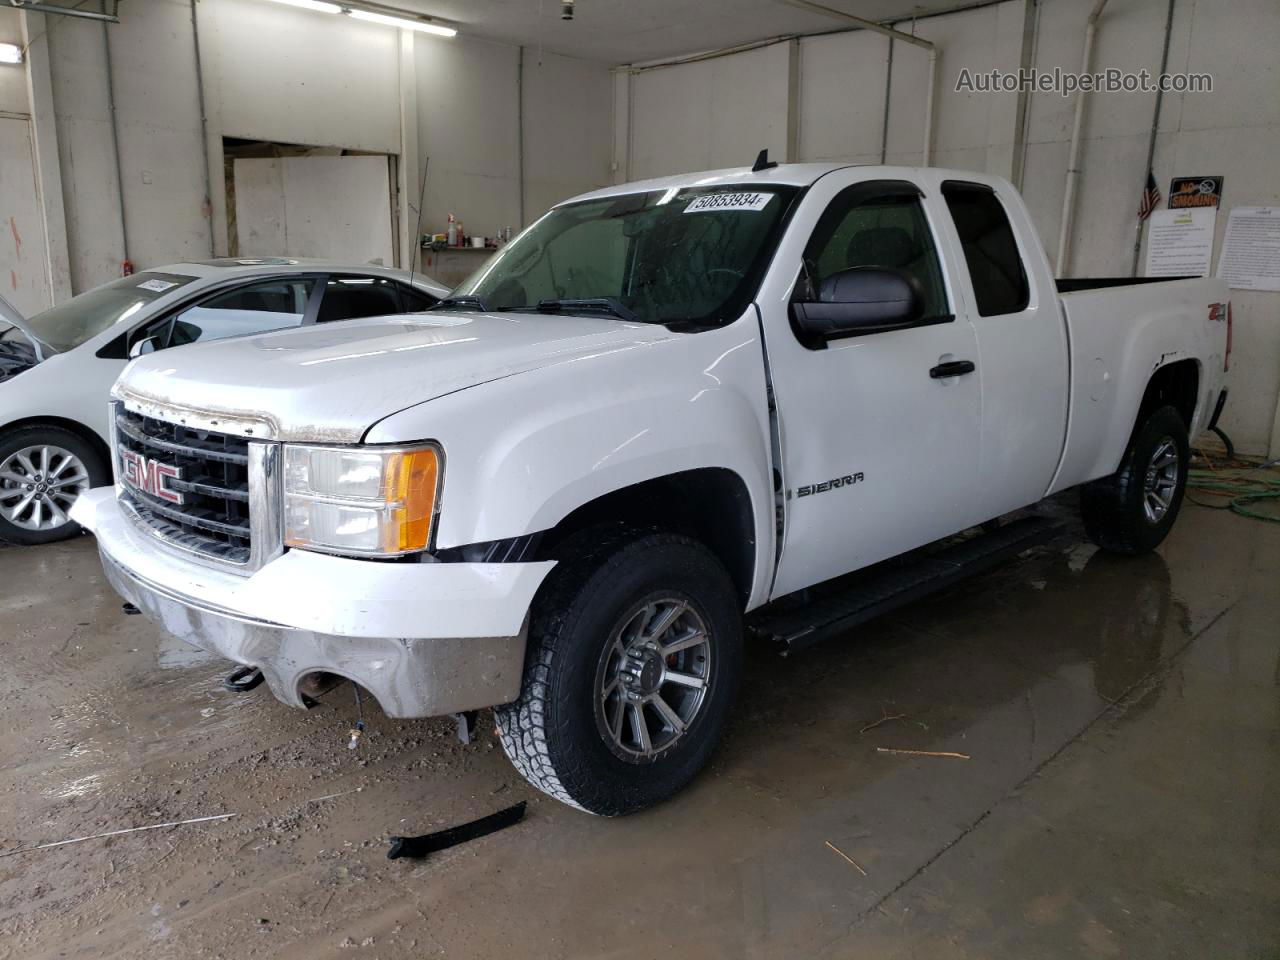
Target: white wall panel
{"points": [[974, 131], [842, 80], [710, 114], [567, 104], [158, 124], [467, 125], [24, 279], [13, 80], [296, 76], [334, 208]]}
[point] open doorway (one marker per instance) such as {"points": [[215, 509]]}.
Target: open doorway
{"points": [[292, 200]]}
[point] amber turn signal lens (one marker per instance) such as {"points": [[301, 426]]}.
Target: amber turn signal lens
{"points": [[412, 481]]}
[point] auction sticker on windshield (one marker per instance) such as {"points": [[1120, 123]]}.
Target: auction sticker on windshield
{"points": [[729, 201], [156, 286]]}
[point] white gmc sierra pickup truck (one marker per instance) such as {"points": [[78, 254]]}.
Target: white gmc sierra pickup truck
{"points": [[664, 406]]}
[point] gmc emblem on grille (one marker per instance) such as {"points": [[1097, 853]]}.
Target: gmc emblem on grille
{"points": [[149, 475]]}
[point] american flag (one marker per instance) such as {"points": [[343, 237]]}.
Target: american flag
{"points": [[1150, 198]]}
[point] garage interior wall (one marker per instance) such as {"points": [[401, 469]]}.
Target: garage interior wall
{"points": [[13, 84], [280, 74], [468, 96], [720, 112]]}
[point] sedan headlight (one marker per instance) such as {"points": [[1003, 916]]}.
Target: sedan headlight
{"points": [[364, 501]]}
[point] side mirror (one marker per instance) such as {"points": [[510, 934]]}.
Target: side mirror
{"points": [[861, 300], [144, 346]]}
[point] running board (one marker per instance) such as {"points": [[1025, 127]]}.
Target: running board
{"points": [[902, 583]]}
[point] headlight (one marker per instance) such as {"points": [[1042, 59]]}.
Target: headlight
{"points": [[367, 501]]}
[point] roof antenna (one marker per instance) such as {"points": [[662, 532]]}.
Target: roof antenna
{"points": [[763, 162]]}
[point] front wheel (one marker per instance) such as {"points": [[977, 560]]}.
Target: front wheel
{"points": [[1133, 510], [635, 651], [43, 469]]}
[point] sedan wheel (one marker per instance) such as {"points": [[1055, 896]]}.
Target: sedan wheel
{"points": [[39, 483]]}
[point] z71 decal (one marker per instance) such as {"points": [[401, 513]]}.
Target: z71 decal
{"points": [[846, 481]]}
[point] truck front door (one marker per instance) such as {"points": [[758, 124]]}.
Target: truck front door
{"points": [[879, 449]]}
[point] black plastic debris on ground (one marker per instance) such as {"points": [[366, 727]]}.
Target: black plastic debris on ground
{"points": [[444, 839]]}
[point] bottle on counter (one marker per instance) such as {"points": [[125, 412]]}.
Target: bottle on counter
{"points": [[451, 235]]}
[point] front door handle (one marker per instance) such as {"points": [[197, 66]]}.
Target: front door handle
{"points": [[952, 368]]}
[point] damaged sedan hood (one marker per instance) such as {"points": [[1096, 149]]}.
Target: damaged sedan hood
{"points": [[330, 383], [16, 356]]}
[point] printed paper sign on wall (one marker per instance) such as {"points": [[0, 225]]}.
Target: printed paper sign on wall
{"points": [[1251, 251]]}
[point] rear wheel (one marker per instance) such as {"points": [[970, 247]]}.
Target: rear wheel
{"points": [[1133, 510], [635, 650], [42, 472]]}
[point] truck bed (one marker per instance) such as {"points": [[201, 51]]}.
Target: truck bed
{"points": [[1120, 332]]}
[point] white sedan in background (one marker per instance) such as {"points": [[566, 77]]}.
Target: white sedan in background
{"points": [[57, 368]]}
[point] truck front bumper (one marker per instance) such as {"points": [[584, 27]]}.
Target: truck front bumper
{"points": [[425, 639]]}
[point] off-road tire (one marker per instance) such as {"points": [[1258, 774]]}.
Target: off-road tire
{"points": [[1112, 507], [550, 733], [95, 466]]}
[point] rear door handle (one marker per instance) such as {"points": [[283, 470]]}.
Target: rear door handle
{"points": [[952, 368]]}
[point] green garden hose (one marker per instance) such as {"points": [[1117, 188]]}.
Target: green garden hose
{"points": [[1243, 494]]}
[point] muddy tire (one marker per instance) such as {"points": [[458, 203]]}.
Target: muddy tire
{"points": [[1133, 510], [42, 471], [633, 662]]}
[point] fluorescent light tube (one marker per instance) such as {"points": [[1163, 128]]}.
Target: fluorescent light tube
{"points": [[404, 23], [320, 6], [10, 53]]}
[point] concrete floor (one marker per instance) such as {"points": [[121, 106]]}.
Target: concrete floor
{"points": [[1122, 797]]}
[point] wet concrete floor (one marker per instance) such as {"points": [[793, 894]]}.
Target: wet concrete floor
{"points": [[1122, 796]]}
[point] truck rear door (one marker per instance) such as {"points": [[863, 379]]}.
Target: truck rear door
{"points": [[1011, 302], [878, 454]]}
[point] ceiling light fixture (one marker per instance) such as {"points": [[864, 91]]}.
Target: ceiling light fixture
{"points": [[10, 53], [319, 6], [404, 23]]}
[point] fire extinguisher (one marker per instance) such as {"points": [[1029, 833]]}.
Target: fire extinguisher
{"points": [[126, 268]]}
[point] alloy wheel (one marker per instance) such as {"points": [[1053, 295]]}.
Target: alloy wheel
{"points": [[38, 484], [653, 679], [1161, 480]]}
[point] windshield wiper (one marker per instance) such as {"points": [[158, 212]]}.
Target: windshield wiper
{"points": [[606, 304], [463, 301]]}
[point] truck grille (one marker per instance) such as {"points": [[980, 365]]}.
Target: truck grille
{"points": [[191, 487]]}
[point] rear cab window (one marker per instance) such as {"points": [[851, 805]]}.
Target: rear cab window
{"points": [[991, 254]]}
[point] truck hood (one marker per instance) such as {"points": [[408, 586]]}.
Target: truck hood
{"points": [[331, 383]]}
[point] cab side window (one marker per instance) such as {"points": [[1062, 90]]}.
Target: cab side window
{"points": [[866, 228], [254, 308], [346, 298], [990, 250]]}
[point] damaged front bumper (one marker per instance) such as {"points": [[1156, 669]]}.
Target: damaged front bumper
{"points": [[425, 639]]}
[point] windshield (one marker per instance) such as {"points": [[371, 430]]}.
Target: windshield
{"points": [[689, 255], [71, 323]]}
